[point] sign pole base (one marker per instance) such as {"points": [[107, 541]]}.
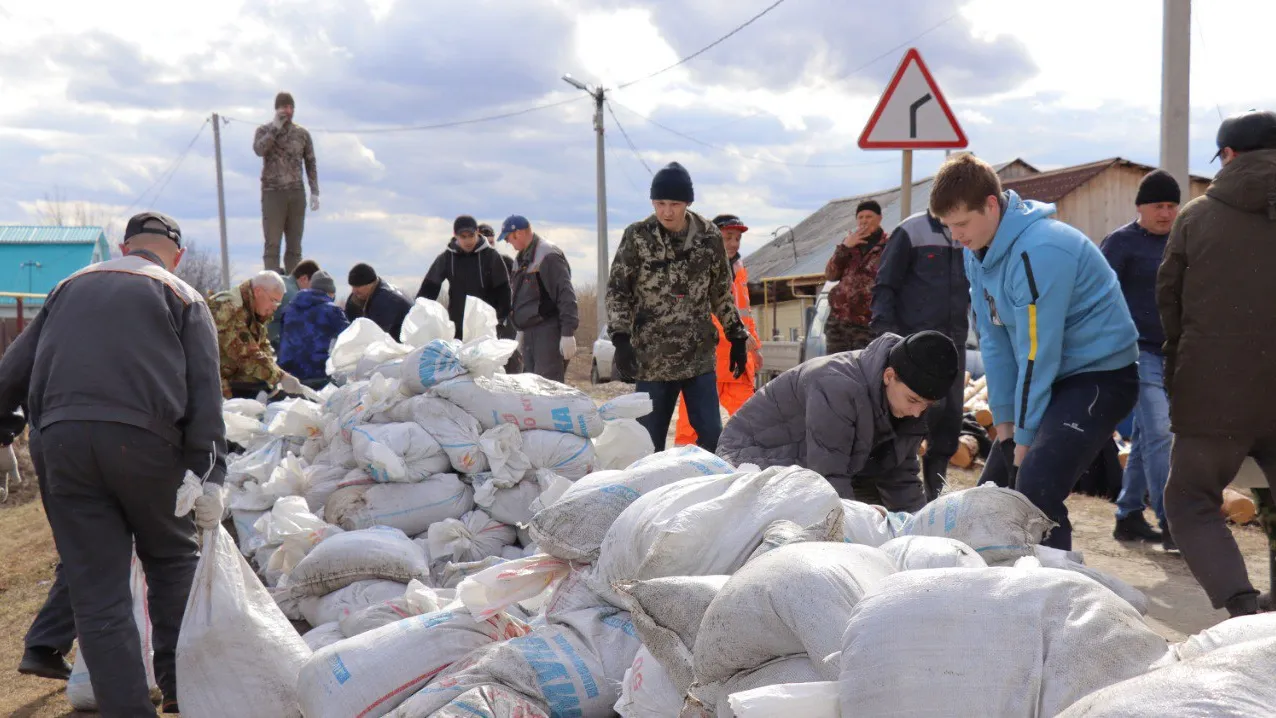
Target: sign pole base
{"points": [[906, 186]]}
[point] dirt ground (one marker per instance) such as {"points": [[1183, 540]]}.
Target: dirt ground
{"points": [[27, 557]]}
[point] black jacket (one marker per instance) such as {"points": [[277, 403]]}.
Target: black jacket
{"points": [[921, 282], [481, 273], [387, 308]]}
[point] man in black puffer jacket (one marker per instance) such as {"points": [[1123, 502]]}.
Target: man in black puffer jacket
{"points": [[472, 268]]}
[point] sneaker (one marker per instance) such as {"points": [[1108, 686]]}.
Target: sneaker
{"points": [[45, 663], [1167, 542], [1135, 528]]}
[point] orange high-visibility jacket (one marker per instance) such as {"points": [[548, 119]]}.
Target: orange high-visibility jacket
{"points": [[740, 289]]}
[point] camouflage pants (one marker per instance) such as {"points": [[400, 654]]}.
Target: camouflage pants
{"points": [[843, 336]]}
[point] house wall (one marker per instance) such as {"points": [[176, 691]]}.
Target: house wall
{"points": [[787, 316], [1107, 201]]}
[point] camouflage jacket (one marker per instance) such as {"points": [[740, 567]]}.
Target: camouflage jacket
{"points": [[664, 291], [855, 271], [246, 354], [283, 152]]}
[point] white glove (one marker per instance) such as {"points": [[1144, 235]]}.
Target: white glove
{"points": [[314, 203], [291, 384], [279, 120], [567, 347], [8, 460], [210, 507]]}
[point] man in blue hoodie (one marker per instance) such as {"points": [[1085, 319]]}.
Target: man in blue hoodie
{"points": [[1058, 344], [311, 324]]}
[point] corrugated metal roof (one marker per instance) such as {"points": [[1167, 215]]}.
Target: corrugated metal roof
{"points": [[1054, 185], [819, 233], [35, 234]]}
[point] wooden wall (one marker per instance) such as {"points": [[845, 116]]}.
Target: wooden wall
{"points": [[1106, 202]]}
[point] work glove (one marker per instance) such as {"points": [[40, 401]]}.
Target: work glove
{"points": [[567, 347], [210, 507], [291, 385], [625, 360], [279, 120], [739, 357], [314, 203]]}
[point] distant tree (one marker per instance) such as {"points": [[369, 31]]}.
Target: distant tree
{"points": [[587, 307], [202, 270], [57, 211]]}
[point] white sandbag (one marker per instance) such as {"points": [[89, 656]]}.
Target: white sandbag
{"points": [[411, 508], [709, 525], [472, 537], [324, 635], [486, 593], [244, 407], [318, 610], [784, 532], [417, 600], [444, 359], [526, 400], [378, 395], [296, 531], [297, 418], [244, 430], [380, 552], [1055, 558], [788, 670], [364, 344], [1228, 633], [567, 455], [450, 574], [914, 552], [1231, 682], [260, 464], [372, 673], [647, 691], [513, 552], [667, 613], [509, 501], [478, 321], [575, 664], [573, 528], [456, 431], [237, 654], [795, 600], [871, 525], [989, 642], [622, 442], [503, 447], [812, 700], [249, 538], [426, 321], [398, 452], [323, 480], [1000, 524], [79, 688], [492, 702]]}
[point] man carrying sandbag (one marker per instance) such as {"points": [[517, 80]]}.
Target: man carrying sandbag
{"points": [[853, 417], [670, 275], [120, 374]]}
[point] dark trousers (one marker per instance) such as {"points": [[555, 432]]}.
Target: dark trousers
{"points": [[896, 491], [1083, 412], [54, 625], [112, 488], [943, 427], [283, 214], [842, 336], [541, 353], [1200, 468], [699, 396]]}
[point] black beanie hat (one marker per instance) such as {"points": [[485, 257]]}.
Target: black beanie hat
{"points": [[673, 183], [927, 363], [361, 274], [1157, 186]]}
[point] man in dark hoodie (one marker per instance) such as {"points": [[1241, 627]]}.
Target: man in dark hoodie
{"points": [[311, 324], [544, 301], [1214, 293], [472, 268], [374, 298]]}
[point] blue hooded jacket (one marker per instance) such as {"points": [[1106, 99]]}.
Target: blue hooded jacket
{"points": [[310, 323], [1048, 306]]}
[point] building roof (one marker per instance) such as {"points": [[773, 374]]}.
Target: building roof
{"points": [[819, 233], [34, 259], [1054, 185]]}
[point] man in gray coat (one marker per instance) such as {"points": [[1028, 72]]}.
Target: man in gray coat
{"points": [[854, 417], [543, 305], [119, 373]]}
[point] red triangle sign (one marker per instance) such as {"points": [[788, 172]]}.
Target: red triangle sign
{"points": [[912, 114]]}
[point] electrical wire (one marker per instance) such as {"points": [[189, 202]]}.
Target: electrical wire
{"points": [[611, 151], [167, 174], [630, 142], [704, 49], [1200, 34], [436, 126], [742, 155]]}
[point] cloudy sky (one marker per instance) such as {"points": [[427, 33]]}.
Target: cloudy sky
{"points": [[100, 100]]}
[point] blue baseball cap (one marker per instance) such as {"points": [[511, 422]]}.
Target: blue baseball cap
{"points": [[513, 223]]}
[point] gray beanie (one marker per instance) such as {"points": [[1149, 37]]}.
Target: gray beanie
{"points": [[324, 282]]}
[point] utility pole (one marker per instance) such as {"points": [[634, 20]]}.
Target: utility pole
{"points": [[221, 199], [906, 186], [1176, 67], [600, 96]]}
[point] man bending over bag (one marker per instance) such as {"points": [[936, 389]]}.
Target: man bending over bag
{"points": [[854, 417]]}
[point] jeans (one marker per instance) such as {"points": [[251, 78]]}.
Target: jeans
{"points": [[1083, 412], [1148, 467], [699, 396]]}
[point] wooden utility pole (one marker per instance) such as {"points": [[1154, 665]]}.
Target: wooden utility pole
{"points": [[221, 199]]}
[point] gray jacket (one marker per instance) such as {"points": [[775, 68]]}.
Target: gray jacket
{"points": [[124, 341], [828, 415], [542, 289]]}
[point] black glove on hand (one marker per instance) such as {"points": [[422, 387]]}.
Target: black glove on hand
{"points": [[739, 357], [625, 360]]}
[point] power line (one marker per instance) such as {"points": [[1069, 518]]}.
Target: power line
{"points": [[167, 174], [1200, 34], [436, 126], [627, 140], [742, 155], [611, 149], [904, 44], [706, 48]]}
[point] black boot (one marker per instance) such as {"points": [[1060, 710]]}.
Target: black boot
{"points": [[1167, 541], [934, 475], [1136, 528], [1244, 604], [45, 663]]}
